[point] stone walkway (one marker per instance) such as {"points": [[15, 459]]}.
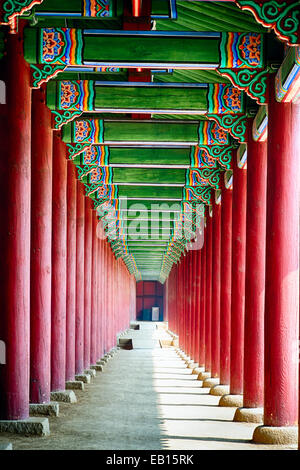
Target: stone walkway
{"points": [[145, 399]]}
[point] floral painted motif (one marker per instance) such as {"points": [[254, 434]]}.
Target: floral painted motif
{"points": [[61, 46], [220, 135], [53, 44], [88, 130], [68, 95], [241, 50], [233, 99], [250, 48], [224, 99]]}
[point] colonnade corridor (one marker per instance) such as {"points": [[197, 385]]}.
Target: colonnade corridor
{"points": [[146, 398]]}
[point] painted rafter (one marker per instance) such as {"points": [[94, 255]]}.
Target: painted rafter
{"points": [[282, 16]]}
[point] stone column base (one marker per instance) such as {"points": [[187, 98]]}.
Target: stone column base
{"points": [[86, 378], [249, 415], [192, 365], [33, 426], [211, 382], [219, 390], [198, 370], [204, 375], [97, 367], [280, 435], [74, 385], [45, 409], [101, 363], [231, 401], [66, 396], [90, 372]]}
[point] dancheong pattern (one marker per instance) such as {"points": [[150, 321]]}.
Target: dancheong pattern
{"points": [[203, 177], [98, 8], [76, 95], [223, 99], [88, 131], [240, 50], [200, 158], [211, 133], [98, 154], [61, 46]]}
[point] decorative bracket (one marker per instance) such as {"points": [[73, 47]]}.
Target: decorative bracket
{"points": [[13, 8], [63, 117], [282, 16], [204, 177], [252, 81], [234, 124], [76, 149], [43, 72]]}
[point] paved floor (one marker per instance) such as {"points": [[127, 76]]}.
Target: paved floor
{"points": [[144, 399]]}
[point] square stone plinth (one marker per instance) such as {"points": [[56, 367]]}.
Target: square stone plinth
{"points": [[33, 426], [90, 372], [46, 409], [66, 396], [86, 378], [97, 367], [74, 385]]}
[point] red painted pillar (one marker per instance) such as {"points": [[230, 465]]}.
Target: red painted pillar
{"points": [[87, 280], [79, 332], [59, 265], [255, 272], [282, 275], [94, 305], [208, 293], [226, 271], [194, 300], [238, 278], [100, 298], [216, 288], [15, 232], [188, 298], [40, 267], [202, 303], [71, 270]]}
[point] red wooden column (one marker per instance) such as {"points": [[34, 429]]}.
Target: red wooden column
{"points": [[15, 232], [208, 295], [87, 280], [239, 195], [255, 281], [188, 298], [59, 265], [79, 333], [202, 304], [225, 291], [296, 146], [40, 266], [216, 291], [194, 308], [71, 270], [282, 279], [197, 325], [94, 293]]}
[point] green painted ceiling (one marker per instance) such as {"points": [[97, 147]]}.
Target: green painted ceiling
{"points": [[150, 179]]}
